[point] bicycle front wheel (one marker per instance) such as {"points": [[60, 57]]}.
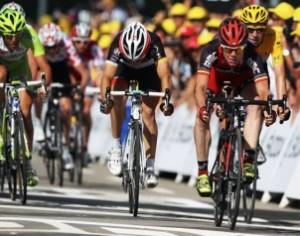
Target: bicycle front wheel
{"points": [[249, 195], [234, 153], [218, 181], [134, 171], [22, 159]]}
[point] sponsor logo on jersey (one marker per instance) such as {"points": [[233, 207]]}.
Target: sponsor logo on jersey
{"points": [[254, 66], [210, 59]]}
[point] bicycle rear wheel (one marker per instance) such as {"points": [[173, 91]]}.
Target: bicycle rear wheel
{"points": [[217, 178], [22, 159], [249, 195], [79, 158], [234, 153], [49, 157], [134, 171]]}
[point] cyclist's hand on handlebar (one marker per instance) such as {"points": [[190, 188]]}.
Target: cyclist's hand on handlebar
{"points": [[269, 118], [283, 114], [42, 92], [203, 114], [106, 106], [167, 109]]}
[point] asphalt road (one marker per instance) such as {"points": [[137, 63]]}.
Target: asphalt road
{"points": [[99, 207]]}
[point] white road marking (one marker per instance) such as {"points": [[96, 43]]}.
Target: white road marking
{"points": [[117, 229], [138, 232], [160, 190], [7, 224]]}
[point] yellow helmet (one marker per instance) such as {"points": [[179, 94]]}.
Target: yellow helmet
{"points": [[254, 14], [205, 37], [237, 13], [44, 19], [178, 9], [169, 26], [213, 23], [196, 13], [105, 41], [105, 28], [283, 10], [296, 15], [115, 26]]}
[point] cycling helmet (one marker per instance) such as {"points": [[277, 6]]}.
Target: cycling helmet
{"points": [[254, 14], [134, 42], [50, 35], [81, 31], [13, 6], [233, 32], [11, 22]]}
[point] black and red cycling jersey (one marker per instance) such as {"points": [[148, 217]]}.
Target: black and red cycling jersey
{"points": [[213, 63], [145, 70]]}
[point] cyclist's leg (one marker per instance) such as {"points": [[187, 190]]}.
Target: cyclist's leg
{"points": [[3, 76], [65, 104], [26, 101], [252, 128], [117, 116], [87, 121]]}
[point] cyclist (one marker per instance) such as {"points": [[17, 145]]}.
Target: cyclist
{"points": [[61, 55], [136, 54], [16, 40], [229, 58], [267, 41], [38, 130], [92, 57]]}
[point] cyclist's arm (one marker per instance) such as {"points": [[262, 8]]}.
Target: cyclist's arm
{"points": [[262, 88], [39, 54], [163, 72], [278, 65], [32, 64], [44, 67], [109, 72], [84, 75], [201, 86]]}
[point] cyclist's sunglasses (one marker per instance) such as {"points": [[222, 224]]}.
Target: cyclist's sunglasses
{"points": [[17, 36], [51, 47], [258, 29], [229, 50], [81, 41]]}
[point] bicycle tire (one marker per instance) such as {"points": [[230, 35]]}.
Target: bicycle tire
{"points": [[22, 159], [135, 170], [234, 177], [217, 178], [79, 158], [49, 158], [58, 145], [7, 152], [249, 195]]}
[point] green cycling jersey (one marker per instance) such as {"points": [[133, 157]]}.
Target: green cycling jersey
{"points": [[16, 61]]}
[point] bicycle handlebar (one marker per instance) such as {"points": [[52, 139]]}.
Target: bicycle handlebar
{"points": [[137, 92]]}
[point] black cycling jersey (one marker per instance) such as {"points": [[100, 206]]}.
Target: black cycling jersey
{"points": [[145, 71], [212, 56]]}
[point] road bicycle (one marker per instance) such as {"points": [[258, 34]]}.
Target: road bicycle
{"points": [[133, 153], [16, 150], [77, 136], [227, 173], [53, 129]]}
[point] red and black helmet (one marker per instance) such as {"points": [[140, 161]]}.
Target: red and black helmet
{"points": [[233, 32]]}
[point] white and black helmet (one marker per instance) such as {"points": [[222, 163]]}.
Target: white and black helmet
{"points": [[134, 42]]}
